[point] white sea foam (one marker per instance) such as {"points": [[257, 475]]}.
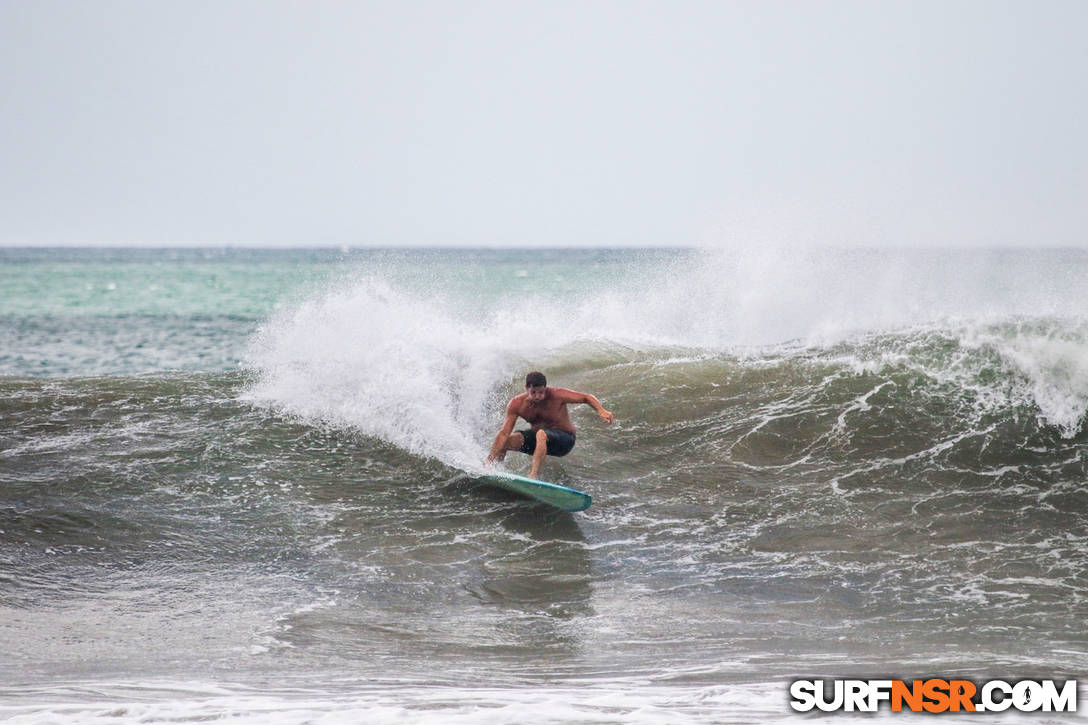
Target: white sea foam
{"points": [[611, 703], [1051, 362]]}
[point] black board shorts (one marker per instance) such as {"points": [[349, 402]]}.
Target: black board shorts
{"points": [[560, 442]]}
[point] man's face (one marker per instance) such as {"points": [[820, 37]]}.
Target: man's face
{"points": [[537, 394]]}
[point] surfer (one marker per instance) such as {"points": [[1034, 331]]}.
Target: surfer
{"points": [[545, 409]]}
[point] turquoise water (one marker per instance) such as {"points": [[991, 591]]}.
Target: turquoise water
{"points": [[182, 282], [96, 311]]}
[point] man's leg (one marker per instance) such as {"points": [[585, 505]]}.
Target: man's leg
{"points": [[539, 453]]}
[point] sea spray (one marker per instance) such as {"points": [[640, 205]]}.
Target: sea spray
{"points": [[369, 357]]}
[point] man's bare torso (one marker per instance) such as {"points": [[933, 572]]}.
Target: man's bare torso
{"points": [[549, 413]]}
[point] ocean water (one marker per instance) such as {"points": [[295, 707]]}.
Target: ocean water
{"points": [[238, 484]]}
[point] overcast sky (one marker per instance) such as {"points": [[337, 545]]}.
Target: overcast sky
{"points": [[297, 123]]}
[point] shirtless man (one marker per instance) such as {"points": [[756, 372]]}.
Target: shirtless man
{"points": [[545, 409]]}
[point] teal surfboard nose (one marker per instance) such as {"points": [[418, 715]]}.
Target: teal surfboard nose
{"points": [[568, 499]]}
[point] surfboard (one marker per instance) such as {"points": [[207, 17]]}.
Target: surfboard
{"points": [[568, 499]]}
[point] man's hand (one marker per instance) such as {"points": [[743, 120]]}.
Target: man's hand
{"points": [[606, 416]]}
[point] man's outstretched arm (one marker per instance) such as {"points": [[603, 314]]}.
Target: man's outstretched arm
{"points": [[572, 396]]}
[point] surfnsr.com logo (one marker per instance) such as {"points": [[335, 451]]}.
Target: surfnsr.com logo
{"points": [[933, 695]]}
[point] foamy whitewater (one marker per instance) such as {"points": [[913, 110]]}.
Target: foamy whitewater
{"points": [[240, 484]]}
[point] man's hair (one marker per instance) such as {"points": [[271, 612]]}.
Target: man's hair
{"points": [[535, 380]]}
